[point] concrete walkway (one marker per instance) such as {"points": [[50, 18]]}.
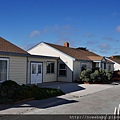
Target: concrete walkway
{"points": [[81, 95], [75, 88]]}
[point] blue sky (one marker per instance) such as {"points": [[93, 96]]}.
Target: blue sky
{"points": [[94, 24]]}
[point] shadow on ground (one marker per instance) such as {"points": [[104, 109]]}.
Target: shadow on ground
{"points": [[51, 102], [41, 104], [65, 87]]}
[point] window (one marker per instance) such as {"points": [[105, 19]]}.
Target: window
{"points": [[83, 66], [33, 68], [62, 69], [3, 69], [39, 68], [50, 67], [109, 67]]}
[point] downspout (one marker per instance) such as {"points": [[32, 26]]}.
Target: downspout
{"points": [[57, 71], [27, 70], [73, 72]]}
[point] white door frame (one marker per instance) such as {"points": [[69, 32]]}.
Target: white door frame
{"points": [[36, 73], [6, 59]]}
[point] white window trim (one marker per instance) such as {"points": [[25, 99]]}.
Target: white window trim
{"points": [[7, 59]]}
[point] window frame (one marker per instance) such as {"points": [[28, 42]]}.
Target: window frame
{"points": [[50, 67], [84, 64], [62, 69], [5, 59]]}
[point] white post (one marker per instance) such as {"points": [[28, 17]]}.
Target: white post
{"points": [[115, 113]]}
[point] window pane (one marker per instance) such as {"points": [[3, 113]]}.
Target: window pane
{"points": [[3, 70], [48, 67], [39, 69], [84, 67], [62, 72], [62, 66], [52, 67], [33, 68]]}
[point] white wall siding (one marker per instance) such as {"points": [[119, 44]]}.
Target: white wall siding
{"points": [[17, 68], [77, 70], [112, 66], [90, 65]]}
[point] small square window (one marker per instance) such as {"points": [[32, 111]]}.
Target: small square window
{"points": [[50, 67], [62, 69]]}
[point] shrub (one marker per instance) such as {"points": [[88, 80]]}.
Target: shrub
{"points": [[96, 75], [85, 75], [8, 89], [11, 92], [109, 75], [93, 77]]}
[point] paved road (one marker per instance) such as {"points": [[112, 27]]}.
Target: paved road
{"points": [[92, 99], [100, 102]]}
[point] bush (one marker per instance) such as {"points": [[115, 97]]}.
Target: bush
{"points": [[11, 92], [109, 75], [85, 75], [8, 89], [96, 75], [99, 75]]}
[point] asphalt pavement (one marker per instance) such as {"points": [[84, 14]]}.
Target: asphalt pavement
{"points": [[79, 99]]}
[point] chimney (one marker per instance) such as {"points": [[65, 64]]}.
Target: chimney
{"points": [[112, 56], [66, 44]]}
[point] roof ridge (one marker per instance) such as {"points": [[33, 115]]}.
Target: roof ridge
{"points": [[74, 49], [58, 45]]}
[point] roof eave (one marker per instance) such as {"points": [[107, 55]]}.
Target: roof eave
{"points": [[40, 56], [83, 60], [13, 53]]}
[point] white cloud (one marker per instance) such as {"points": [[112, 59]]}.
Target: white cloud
{"points": [[35, 33], [105, 46], [118, 28]]}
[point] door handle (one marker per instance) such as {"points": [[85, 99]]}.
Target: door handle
{"points": [[37, 74]]}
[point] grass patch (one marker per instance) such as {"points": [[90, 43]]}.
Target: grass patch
{"points": [[11, 92]]}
